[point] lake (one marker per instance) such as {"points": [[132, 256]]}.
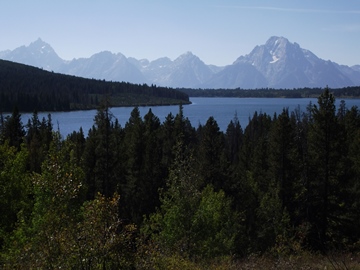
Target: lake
{"points": [[222, 109]]}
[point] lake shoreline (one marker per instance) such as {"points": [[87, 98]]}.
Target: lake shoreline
{"points": [[222, 109]]}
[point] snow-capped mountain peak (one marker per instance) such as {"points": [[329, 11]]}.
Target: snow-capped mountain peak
{"points": [[287, 65], [278, 63]]}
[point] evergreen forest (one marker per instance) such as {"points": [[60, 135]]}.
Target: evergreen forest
{"points": [[167, 195], [29, 89], [345, 92]]}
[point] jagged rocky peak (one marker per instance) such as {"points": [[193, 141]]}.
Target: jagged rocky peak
{"points": [[276, 41], [161, 62], [187, 54], [278, 47], [188, 59], [104, 54], [37, 42], [38, 54], [185, 57], [41, 46], [144, 62]]}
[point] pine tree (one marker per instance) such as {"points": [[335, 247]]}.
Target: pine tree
{"points": [[103, 155], [349, 190], [233, 142], [134, 151], [183, 131], [153, 174], [12, 129], [168, 140], [283, 160], [210, 154], [38, 138], [324, 156]]}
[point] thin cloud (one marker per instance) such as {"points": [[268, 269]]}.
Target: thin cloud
{"points": [[349, 28], [298, 10]]}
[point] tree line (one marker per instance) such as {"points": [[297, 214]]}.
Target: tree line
{"points": [[152, 194], [29, 88], [345, 92]]}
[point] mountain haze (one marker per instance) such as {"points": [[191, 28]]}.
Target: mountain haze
{"points": [[276, 64]]}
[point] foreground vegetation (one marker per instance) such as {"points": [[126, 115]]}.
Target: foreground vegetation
{"points": [[29, 88], [284, 192]]}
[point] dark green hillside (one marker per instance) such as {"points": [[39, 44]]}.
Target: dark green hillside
{"points": [[31, 88]]}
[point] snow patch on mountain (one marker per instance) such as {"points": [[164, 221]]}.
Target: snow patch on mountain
{"points": [[275, 59]]}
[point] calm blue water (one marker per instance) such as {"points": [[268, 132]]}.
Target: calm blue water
{"points": [[222, 109]]}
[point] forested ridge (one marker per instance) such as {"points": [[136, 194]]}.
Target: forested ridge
{"points": [[29, 88], [154, 195]]}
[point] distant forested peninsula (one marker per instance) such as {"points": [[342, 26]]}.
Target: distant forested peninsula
{"points": [[31, 88], [346, 92]]}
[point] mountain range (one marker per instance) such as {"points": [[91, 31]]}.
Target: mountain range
{"points": [[276, 64]]}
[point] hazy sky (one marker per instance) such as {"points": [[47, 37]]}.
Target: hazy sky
{"points": [[217, 31]]}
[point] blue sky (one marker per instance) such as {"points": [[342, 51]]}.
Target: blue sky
{"points": [[217, 31]]}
